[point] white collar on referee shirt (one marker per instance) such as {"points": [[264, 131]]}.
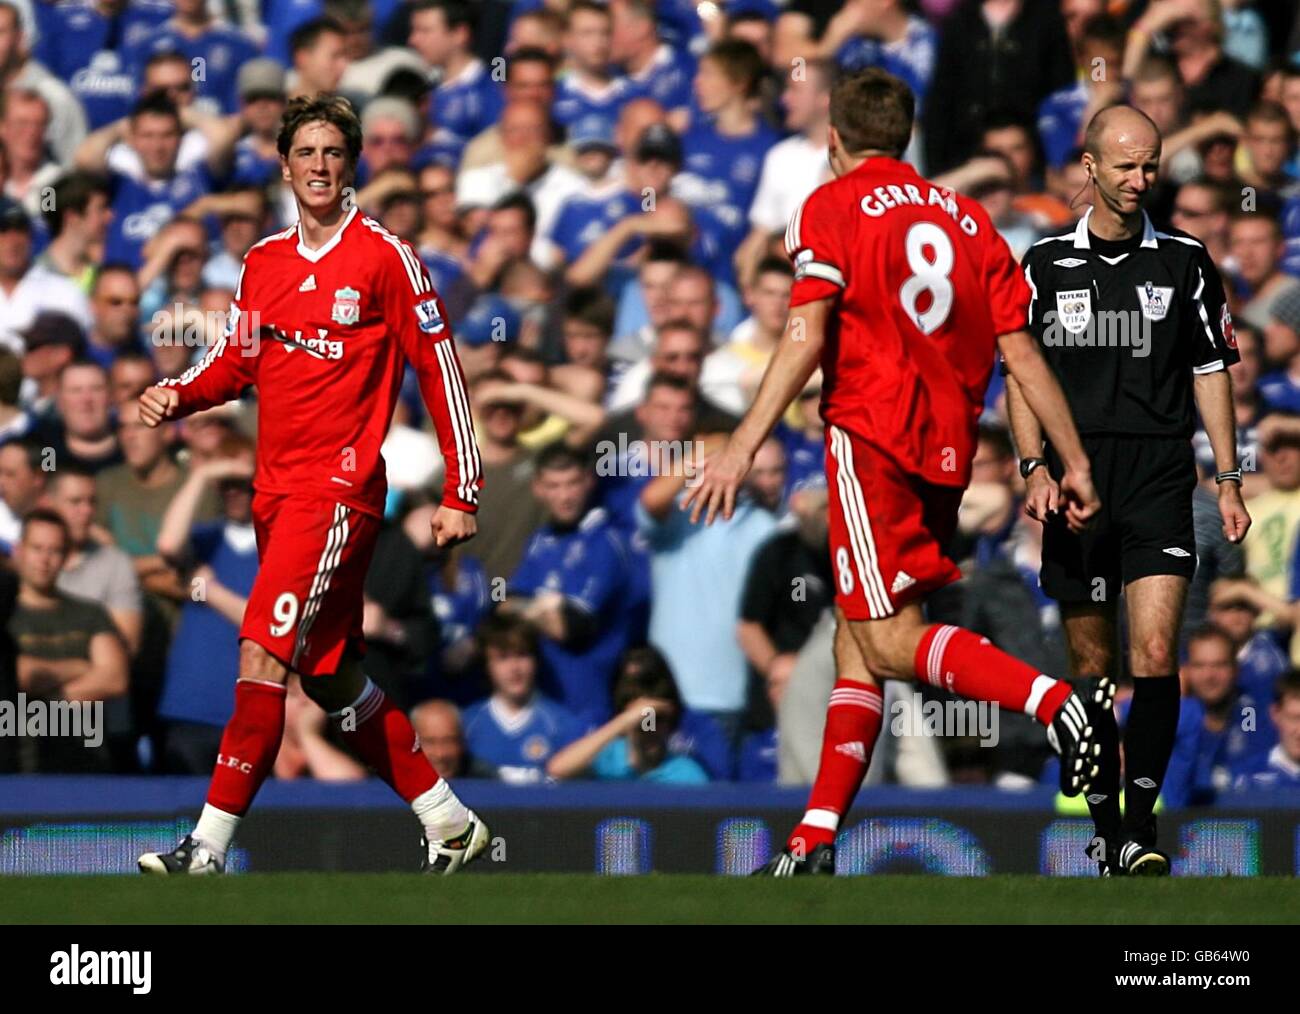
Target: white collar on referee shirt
{"points": [[1081, 233]]}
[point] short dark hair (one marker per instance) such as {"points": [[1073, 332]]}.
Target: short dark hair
{"points": [[305, 36], [111, 268], [456, 13], [661, 379], [593, 307], [559, 457], [644, 672], [506, 633], [1106, 29], [998, 438], [45, 516], [518, 202], [740, 62], [72, 192], [71, 470], [529, 54], [332, 109], [774, 266], [33, 452], [11, 377], [1287, 685], [155, 103], [872, 110]]}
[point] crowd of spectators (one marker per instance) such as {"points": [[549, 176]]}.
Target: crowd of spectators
{"points": [[599, 191]]}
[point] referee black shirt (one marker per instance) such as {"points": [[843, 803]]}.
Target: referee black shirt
{"points": [[1126, 324]]}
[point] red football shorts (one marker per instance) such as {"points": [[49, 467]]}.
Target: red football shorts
{"points": [[888, 530], [306, 603]]}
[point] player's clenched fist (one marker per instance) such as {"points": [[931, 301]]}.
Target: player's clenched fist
{"points": [[451, 526], [157, 404]]}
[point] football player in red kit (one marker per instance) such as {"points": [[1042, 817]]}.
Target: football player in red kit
{"points": [[904, 294], [326, 314]]}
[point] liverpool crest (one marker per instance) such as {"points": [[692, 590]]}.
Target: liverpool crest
{"points": [[347, 306]]}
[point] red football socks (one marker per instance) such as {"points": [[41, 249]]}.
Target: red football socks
{"points": [[853, 721], [955, 659], [383, 737], [248, 746]]}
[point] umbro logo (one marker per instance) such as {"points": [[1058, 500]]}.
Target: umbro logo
{"points": [[309, 285], [1177, 551], [901, 580], [1069, 262], [856, 750], [1096, 798], [1146, 783]]}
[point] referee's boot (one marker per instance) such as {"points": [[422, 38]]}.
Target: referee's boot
{"points": [[1138, 855], [1073, 736], [819, 862]]}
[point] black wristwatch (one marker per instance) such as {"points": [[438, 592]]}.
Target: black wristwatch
{"points": [[1027, 465]]}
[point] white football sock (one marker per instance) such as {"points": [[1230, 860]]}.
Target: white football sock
{"points": [[441, 813], [215, 829]]}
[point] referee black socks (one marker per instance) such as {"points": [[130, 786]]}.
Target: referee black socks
{"points": [[1148, 743], [1103, 796]]}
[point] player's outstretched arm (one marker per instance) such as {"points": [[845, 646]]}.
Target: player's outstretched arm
{"points": [[797, 356], [1046, 400]]}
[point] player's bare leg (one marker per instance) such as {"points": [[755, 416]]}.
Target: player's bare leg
{"points": [[1155, 608], [381, 734], [249, 747], [1091, 643]]}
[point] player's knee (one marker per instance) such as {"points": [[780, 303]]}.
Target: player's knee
{"points": [[1154, 656], [334, 692], [256, 663]]}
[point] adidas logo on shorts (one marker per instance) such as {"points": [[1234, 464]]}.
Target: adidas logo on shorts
{"points": [[901, 580]]}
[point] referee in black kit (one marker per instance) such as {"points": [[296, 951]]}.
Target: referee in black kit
{"points": [[1134, 324]]}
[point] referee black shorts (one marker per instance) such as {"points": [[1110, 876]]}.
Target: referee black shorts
{"points": [[1144, 526]]}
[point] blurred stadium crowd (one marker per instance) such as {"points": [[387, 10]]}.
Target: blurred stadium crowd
{"points": [[599, 191]]}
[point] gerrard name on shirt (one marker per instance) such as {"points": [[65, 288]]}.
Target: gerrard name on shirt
{"points": [[886, 198]]}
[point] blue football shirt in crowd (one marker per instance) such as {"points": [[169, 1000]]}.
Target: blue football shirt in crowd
{"points": [[86, 50], [204, 657], [573, 102], [141, 209], [1059, 118], [720, 173], [218, 52], [911, 58], [668, 79], [589, 566], [519, 746], [467, 106]]}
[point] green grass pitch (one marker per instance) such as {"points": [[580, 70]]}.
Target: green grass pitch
{"points": [[572, 898]]}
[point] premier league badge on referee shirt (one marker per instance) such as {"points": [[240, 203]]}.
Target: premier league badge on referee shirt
{"points": [[347, 306], [1074, 309], [1154, 300]]}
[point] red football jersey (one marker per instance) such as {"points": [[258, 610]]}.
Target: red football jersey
{"points": [[925, 286], [348, 316]]}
